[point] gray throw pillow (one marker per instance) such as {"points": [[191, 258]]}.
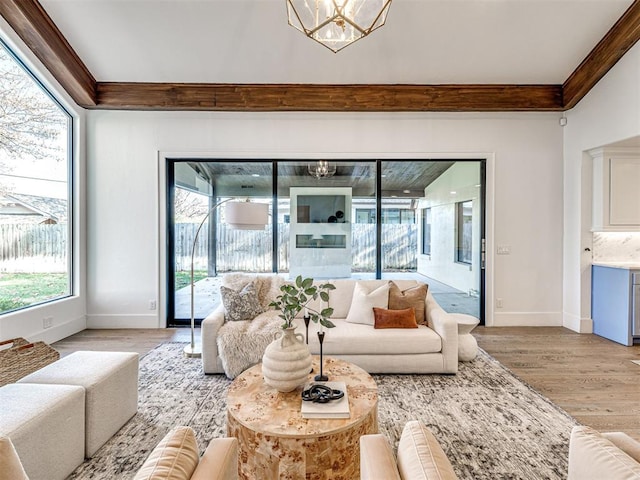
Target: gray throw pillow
{"points": [[240, 305]]}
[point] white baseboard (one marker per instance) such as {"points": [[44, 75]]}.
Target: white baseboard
{"points": [[577, 324], [527, 319], [60, 331], [123, 321]]}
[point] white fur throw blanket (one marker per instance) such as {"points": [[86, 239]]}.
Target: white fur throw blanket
{"points": [[242, 344]]}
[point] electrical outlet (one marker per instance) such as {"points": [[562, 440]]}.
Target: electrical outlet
{"points": [[47, 322], [152, 305], [499, 303], [504, 250]]}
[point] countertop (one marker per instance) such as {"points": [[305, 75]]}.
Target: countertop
{"points": [[625, 265]]}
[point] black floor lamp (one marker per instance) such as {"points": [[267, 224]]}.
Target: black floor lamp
{"points": [[239, 216]]}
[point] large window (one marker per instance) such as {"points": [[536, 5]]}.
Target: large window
{"points": [[390, 216], [464, 221], [35, 165]]}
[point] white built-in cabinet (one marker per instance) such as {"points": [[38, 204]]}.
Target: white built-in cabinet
{"points": [[616, 189], [320, 232]]}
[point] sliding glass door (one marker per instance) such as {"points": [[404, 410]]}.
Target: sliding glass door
{"points": [[419, 219], [195, 189]]}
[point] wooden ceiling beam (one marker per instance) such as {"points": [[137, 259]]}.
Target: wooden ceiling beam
{"points": [[618, 41], [36, 29], [329, 98]]}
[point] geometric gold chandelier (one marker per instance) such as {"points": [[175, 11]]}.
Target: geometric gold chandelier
{"points": [[337, 23]]}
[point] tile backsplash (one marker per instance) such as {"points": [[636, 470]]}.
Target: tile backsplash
{"points": [[616, 247]]}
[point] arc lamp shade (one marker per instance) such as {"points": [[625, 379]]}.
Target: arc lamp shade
{"points": [[246, 215]]}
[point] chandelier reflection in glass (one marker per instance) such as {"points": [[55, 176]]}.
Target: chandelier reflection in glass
{"points": [[321, 169], [337, 23]]}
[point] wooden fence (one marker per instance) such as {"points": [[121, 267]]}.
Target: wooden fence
{"points": [[33, 247], [24, 247], [247, 250]]}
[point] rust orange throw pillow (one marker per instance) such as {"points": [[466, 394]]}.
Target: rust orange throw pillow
{"points": [[411, 297], [394, 318]]}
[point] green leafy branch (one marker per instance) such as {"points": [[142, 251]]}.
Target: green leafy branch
{"points": [[297, 296]]}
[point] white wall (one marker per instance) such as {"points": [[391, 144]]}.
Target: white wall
{"points": [[463, 178], [68, 314], [609, 113], [125, 225]]}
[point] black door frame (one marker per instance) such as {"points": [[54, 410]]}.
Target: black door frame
{"points": [[171, 321]]}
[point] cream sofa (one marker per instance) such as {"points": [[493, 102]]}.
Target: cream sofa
{"points": [[597, 456], [176, 457], [420, 456], [427, 349]]}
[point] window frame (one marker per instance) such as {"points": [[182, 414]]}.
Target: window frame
{"points": [[70, 186], [426, 232], [460, 249]]}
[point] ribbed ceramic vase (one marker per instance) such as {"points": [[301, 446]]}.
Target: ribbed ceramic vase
{"points": [[286, 362]]}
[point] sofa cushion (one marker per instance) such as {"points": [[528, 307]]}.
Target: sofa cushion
{"points": [[592, 456], [11, 465], [413, 297], [625, 443], [359, 339], [219, 462], [240, 305], [420, 456], [385, 318], [364, 300], [175, 458], [376, 458]]}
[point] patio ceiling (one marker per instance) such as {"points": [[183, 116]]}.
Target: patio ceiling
{"points": [[401, 179]]}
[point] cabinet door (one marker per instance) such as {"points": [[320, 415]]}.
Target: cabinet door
{"points": [[624, 191], [610, 304]]}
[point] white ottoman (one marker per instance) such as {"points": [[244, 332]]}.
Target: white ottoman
{"points": [[111, 383], [467, 344], [46, 426]]}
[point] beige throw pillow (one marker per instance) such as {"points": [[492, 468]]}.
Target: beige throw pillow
{"points": [[364, 301], [10, 462], [413, 297], [175, 458]]}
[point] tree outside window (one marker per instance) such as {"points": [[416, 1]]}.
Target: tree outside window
{"points": [[35, 164]]}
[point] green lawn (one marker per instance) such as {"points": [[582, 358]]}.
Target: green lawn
{"points": [[183, 278], [19, 290]]}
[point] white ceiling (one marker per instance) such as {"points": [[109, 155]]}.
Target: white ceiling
{"points": [[249, 41]]}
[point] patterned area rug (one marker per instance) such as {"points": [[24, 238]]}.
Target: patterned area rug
{"points": [[490, 424]]}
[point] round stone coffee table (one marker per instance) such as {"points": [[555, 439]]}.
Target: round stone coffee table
{"points": [[275, 442]]}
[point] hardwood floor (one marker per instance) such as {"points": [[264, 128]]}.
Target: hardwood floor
{"points": [[591, 378]]}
